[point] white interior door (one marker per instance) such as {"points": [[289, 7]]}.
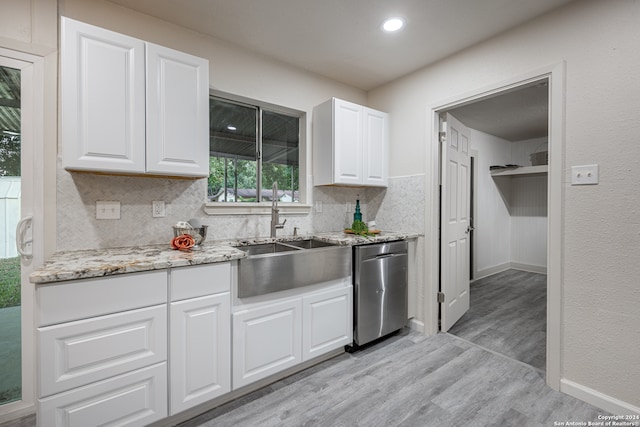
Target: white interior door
{"points": [[455, 223]]}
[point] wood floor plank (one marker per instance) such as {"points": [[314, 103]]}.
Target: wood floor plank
{"points": [[408, 380], [508, 315]]}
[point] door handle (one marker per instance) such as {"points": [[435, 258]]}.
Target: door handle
{"points": [[469, 229], [21, 230]]}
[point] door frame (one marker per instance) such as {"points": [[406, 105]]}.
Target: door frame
{"points": [[555, 74], [32, 125]]}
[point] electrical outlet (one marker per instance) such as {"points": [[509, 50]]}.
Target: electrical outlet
{"points": [[107, 210], [157, 209]]}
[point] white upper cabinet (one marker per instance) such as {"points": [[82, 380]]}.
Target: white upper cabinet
{"points": [[131, 107], [103, 99], [350, 144], [177, 112]]}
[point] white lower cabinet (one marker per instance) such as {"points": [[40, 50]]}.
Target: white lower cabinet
{"points": [[200, 334], [266, 339], [200, 352], [327, 319], [133, 399], [272, 336], [102, 351]]}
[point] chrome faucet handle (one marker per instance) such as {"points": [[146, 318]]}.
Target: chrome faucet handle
{"points": [[281, 225]]}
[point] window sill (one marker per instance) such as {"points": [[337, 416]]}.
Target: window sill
{"points": [[221, 208]]}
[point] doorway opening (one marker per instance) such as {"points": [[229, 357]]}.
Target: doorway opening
{"points": [[493, 221]]}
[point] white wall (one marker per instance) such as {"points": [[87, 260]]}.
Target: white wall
{"points": [[233, 71], [528, 201], [511, 211], [492, 218], [599, 42]]}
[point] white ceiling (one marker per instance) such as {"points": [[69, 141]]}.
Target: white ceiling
{"points": [[516, 115], [342, 39]]}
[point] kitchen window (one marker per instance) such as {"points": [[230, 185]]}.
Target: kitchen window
{"points": [[250, 147]]}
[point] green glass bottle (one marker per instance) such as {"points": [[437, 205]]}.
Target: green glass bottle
{"points": [[357, 216]]}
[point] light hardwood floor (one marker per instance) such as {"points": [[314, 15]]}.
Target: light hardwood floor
{"points": [[412, 380], [407, 380], [508, 315]]}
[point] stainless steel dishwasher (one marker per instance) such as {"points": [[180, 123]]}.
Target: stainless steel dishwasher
{"points": [[380, 279]]}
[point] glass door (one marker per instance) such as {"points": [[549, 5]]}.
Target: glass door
{"points": [[10, 215], [21, 163]]}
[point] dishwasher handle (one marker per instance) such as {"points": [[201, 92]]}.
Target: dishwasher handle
{"points": [[388, 255]]}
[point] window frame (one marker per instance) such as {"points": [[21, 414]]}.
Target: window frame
{"points": [[264, 208]]}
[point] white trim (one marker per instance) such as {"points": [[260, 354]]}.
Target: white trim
{"points": [[481, 274], [247, 208], [600, 400], [529, 267], [555, 73], [492, 270], [416, 325]]}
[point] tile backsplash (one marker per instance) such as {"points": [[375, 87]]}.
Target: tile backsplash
{"points": [[400, 207]]}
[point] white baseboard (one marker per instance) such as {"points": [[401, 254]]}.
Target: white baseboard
{"points": [[480, 274], [598, 399], [492, 270], [416, 325], [528, 267]]}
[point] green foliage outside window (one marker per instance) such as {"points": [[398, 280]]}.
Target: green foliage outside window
{"points": [[240, 131], [9, 155]]}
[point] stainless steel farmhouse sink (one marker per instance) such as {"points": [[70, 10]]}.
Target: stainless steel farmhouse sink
{"points": [[273, 267], [267, 248]]}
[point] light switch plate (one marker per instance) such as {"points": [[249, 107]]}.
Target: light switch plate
{"points": [[584, 175], [107, 210]]}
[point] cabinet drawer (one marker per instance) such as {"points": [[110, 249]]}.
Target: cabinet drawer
{"points": [[78, 353], [81, 299], [133, 399], [201, 280]]}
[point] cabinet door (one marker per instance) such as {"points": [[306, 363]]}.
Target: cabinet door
{"points": [[347, 142], [327, 321], [103, 99], [200, 351], [266, 340], [137, 398], [177, 113], [375, 148]]}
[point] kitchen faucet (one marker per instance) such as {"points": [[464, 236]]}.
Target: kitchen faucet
{"points": [[275, 220]]}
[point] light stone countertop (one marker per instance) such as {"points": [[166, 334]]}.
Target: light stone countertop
{"points": [[85, 264]]}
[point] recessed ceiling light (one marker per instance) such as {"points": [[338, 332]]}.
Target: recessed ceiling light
{"points": [[231, 127], [393, 24]]}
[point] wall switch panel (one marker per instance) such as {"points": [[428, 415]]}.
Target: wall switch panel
{"points": [[107, 210], [157, 208], [584, 175]]}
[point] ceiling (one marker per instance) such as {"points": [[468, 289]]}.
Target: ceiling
{"points": [[342, 39], [516, 115]]}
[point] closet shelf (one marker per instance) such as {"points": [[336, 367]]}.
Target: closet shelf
{"points": [[524, 170]]}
